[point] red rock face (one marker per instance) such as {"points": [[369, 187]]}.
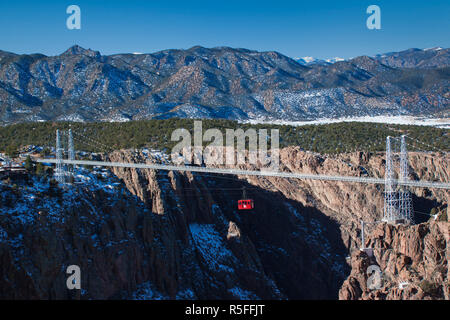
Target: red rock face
{"points": [[413, 260]]}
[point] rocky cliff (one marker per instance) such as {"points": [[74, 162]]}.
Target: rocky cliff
{"points": [[143, 234], [287, 238], [413, 261], [349, 203], [345, 203], [147, 235]]}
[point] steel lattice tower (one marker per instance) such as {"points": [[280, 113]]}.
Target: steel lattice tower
{"points": [[390, 194], [59, 173], [404, 196], [71, 150]]}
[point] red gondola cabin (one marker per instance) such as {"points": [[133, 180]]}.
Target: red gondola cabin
{"points": [[246, 204]]}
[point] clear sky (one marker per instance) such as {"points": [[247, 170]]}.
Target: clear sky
{"points": [[319, 28]]}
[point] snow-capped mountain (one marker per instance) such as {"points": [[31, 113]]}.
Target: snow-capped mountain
{"points": [[411, 58], [307, 61]]}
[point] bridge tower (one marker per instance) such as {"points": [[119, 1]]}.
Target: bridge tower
{"points": [[390, 193], [404, 195], [71, 150], [59, 172]]}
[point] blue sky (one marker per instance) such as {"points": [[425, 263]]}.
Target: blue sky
{"points": [[319, 28]]}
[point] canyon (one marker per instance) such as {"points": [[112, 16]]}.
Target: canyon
{"points": [[141, 234]]}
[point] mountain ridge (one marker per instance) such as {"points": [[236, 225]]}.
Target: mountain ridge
{"points": [[222, 82]]}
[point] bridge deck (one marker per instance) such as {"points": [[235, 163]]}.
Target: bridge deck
{"points": [[411, 183]]}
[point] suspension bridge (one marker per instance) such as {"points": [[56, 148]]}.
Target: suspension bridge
{"points": [[397, 200]]}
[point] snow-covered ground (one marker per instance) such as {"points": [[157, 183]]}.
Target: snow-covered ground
{"points": [[403, 120], [148, 291], [211, 247], [26, 207]]}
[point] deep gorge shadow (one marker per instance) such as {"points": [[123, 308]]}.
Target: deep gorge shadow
{"points": [[422, 207], [300, 247]]}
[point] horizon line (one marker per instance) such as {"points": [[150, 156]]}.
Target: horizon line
{"points": [[220, 47]]}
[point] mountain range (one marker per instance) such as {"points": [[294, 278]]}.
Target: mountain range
{"points": [[412, 58], [231, 83], [308, 61]]}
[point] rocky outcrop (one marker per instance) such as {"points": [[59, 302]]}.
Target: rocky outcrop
{"points": [[413, 264]]}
